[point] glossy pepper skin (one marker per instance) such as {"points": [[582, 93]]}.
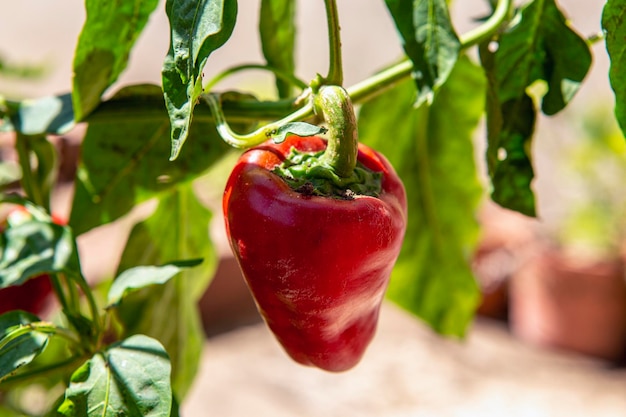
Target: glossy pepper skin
{"points": [[318, 267]]}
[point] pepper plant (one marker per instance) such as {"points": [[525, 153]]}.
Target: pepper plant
{"points": [[102, 354]]}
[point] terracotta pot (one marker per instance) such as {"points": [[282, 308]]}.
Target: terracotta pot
{"points": [[569, 303]]}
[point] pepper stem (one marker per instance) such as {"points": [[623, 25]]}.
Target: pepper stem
{"points": [[334, 105]]}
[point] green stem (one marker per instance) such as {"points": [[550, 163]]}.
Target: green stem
{"points": [[335, 69], [334, 105], [40, 327], [490, 27], [283, 75], [58, 290], [386, 79], [29, 184], [258, 136], [93, 306]]}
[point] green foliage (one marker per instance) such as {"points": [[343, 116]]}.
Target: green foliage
{"points": [[539, 46], [36, 247], [123, 164], [435, 160], [18, 347], [277, 30], [615, 29], [140, 348], [108, 36], [139, 277], [168, 312], [197, 29], [53, 114], [129, 378], [429, 41]]}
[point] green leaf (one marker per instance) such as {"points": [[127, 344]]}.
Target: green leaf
{"points": [[178, 229], [510, 128], [130, 378], [197, 28], [614, 25], [432, 151], [52, 114], [429, 41], [125, 163], [103, 48], [36, 247], [23, 349], [296, 128], [541, 46], [139, 277], [278, 31]]}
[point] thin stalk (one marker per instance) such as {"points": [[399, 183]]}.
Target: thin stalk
{"points": [[29, 184], [258, 136], [335, 66], [91, 301], [40, 327]]}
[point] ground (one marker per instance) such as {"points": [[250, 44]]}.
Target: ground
{"points": [[407, 371]]}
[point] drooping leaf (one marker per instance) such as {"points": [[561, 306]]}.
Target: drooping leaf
{"points": [[278, 31], [197, 28], [103, 48], [169, 312], [23, 349], [510, 128], [429, 41], [130, 378], [432, 151], [614, 25], [541, 46], [36, 247], [139, 277], [125, 163]]}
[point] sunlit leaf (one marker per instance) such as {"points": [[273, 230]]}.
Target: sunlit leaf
{"points": [[36, 247], [432, 151], [130, 378], [541, 46], [614, 25], [429, 41], [278, 30], [197, 28], [103, 48], [126, 162], [169, 312], [23, 349], [139, 277]]}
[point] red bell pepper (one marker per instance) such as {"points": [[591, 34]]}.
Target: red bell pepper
{"points": [[317, 266]]}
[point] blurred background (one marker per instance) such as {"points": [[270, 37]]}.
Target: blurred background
{"points": [[539, 346]]}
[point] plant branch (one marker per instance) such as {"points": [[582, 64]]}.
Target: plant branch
{"points": [[335, 68], [386, 79], [258, 136]]}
